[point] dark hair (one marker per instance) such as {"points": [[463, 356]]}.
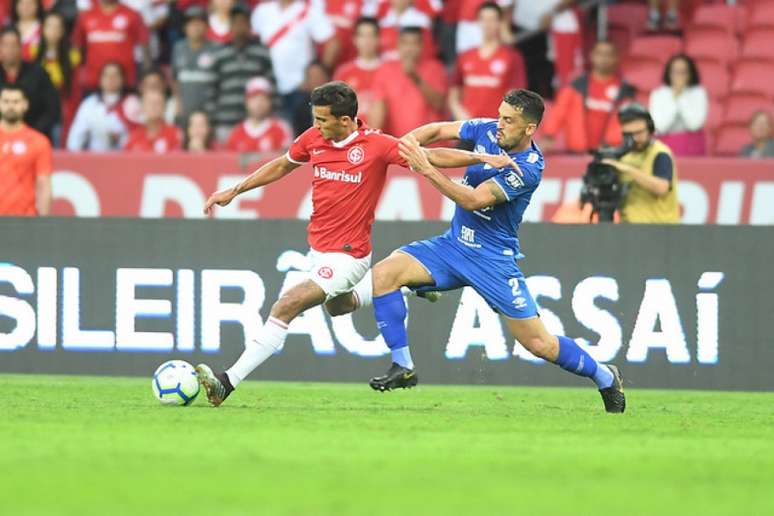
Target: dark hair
{"points": [[411, 29], [693, 72], [490, 5], [12, 87], [62, 53], [339, 96], [15, 16], [367, 20], [636, 111], [10, 30], [155, 70], [210, 135], [121, 70], [528, 102]]}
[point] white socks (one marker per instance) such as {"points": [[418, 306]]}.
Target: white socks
{"points": [[269, 340], [402, 357]]}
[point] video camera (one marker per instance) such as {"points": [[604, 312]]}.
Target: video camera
{"points": [[601, 186]]}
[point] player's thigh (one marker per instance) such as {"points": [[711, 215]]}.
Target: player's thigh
{"points": [[341, 304], [398, 270], [337, 273], [423, 265], [534, 336], [297, 299]]}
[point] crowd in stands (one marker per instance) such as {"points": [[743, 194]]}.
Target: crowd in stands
{"points": [[199, 75]]}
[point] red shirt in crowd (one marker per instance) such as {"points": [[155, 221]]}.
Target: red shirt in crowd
{"points": [[390, 23], [270, 135], [26, 154], [406, 107], [109, 36], [343, 14], [485, 80], [361, 76], [348, 180], [600, 106], [167, 138]]}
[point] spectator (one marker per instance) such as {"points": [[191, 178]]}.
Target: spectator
{"points": [[154, 14], [290, 28], [585, 111], [27, 16], [648, 171], [762, 145], [219, 30], [410, 91], [360, 72], [672, 18], [485, 74], [198, 133], [469, 28], [25, 167], [316, 75], [155, 135], [261, 131], [43, 110], [101, 123], [394, 15], [533, 20], [192, 65], [679, 107], [235, 63], [154, 79], [343, 14], [107, 32], [61, 63]]}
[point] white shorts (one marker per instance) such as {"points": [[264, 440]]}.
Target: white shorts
{"points": [[337, 273]]}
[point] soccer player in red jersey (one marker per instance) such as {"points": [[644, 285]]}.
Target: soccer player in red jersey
{"points": [[486, 72], [25, 160], [109, 31], [349, 163]]}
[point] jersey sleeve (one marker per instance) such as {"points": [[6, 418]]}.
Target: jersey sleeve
{"points": [[298, 152], [513, 184], [391, 154], [471, 130], [43, 165]]}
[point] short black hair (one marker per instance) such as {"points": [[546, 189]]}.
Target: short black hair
{"points": [[367, 20], [528, 102], [11, 30], [13, 87], [636, 111], [693, 72], [411, 29], [490, 5], [339, 96]]}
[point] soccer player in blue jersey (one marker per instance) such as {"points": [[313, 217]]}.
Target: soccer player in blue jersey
{"points": [[481, 247]]}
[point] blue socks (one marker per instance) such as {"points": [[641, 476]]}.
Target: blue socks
{"points": [[574, 359], [390, 313]]}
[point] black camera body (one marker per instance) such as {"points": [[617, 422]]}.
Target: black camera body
{"points": [[601, 186]]}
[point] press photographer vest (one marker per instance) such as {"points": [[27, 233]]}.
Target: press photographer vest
{"points": [[641, 206]]}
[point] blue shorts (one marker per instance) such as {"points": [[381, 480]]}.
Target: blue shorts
{"points": [[498, 280]]}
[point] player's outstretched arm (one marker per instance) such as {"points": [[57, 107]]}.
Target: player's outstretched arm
{"points": [[268, 173], [436, 132], [451, 158], [485, 195]]}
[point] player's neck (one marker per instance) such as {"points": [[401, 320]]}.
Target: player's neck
{"points": [[350, 129], [602, 76], [489, 47], [11, 127]]}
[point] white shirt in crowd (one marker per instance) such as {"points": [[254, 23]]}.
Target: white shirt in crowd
{"points": [[303, 24], [469, 33], [686, 112], [96, 126], [528, 13]]}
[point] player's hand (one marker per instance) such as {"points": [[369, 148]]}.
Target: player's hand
{"points": [[221, 198], [620, 167], [500, 161], [409, 149]]}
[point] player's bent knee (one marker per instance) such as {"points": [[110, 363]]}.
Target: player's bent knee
{"points": [[539, 347], [385, 279]]}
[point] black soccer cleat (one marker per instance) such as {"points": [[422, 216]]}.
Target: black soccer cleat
{"points": [[397, 377], [216, 385], [613, 396]]}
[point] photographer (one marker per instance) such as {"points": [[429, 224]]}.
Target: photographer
{"points": [[647, 169]]}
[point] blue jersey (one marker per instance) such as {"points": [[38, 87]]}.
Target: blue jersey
{"points": [[492, 232]]}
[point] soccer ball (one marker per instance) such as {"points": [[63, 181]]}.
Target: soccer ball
{"points": [[175, 383]]}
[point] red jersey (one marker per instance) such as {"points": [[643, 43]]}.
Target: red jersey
{"points": [[348, 180], [406, 107], [484, 81], [166, 139], [109, 37], [600, 106], [270, 135], [26, 155], [361, 77]]}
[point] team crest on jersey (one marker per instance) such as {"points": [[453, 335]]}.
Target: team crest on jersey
{"points": [[120, 22], [18, 147], [497, 67], [612, 91], [325, 272], [356, 155], [514, 181]]}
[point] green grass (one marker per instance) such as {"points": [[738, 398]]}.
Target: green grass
{"points": [[78, 445]]}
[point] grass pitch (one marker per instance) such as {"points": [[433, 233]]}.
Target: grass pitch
{"points": [[79, 445]]}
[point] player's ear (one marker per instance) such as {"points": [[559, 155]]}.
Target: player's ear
{"points": [[531, 129]]}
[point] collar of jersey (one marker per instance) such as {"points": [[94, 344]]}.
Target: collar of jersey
{"points": [[346, 141]]}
